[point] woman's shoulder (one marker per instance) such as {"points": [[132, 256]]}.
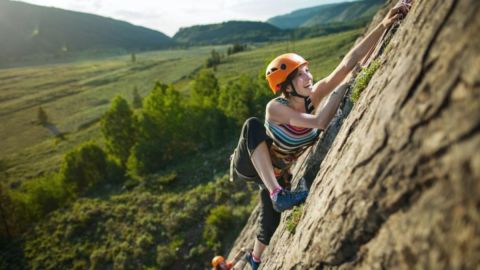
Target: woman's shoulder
{"points": [[277, 100]]}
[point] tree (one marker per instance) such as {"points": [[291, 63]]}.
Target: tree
{"points": [[236, 99], [137, 99], [203, 109], [162, 131], [214, 59], [42, 116], [117, 126], [205, 89]]}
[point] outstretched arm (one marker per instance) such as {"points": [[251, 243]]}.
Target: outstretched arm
{"points": [[323, 88]]}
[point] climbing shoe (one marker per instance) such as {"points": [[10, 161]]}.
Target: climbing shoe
{"points": [[251, 262], [285, 199]]}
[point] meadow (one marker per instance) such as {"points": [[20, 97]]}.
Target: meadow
{"points": [[174, 217]]}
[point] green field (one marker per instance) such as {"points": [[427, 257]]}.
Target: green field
{"points": [[75, 95]]}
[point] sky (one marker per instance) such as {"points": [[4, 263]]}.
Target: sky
{"points": [[168, 16]]}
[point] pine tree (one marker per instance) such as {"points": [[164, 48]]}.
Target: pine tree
{"points": [[117, 126]]}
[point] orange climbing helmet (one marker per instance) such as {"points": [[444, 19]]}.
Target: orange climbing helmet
{"points": [[217, 260], [280, 67]]}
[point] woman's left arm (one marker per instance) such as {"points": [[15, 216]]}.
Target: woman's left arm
{"points": [[323, 88]]}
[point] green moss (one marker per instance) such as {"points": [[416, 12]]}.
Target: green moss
{"points": [[294, 218], [363, 79]]}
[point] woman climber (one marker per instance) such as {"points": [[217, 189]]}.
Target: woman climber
{"points": [[293, 121]]}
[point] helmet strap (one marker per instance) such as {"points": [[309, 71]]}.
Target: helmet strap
{"points": [[294, 93]]}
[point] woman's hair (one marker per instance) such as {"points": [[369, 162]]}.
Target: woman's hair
{"points": [[287, 82]]}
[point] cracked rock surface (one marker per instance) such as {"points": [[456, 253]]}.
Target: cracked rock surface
{"points": [[396, 184]]}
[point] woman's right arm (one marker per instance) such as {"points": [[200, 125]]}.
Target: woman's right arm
{"points": [[282, 114]]}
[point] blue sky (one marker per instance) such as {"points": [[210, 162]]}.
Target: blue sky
{"points": [[169, 16]]}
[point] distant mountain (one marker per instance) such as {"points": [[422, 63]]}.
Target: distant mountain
{"points": [[228, 32], [328, 14], [27, 30]]}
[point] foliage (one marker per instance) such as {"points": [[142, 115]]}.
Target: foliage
{"points": [[217, 225], [243, 98], [214, 60], [83, 168], [165, 257], [117, 127], [363, 79], [9, 224], [162, 134], [207, 124], [137, 99], [294, 218], [236, 48], [227, 32]]}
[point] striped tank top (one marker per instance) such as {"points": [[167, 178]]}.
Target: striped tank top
{"points": [[289, 142]]}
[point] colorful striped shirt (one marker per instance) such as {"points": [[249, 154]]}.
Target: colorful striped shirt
{"points": [[289, 141]]}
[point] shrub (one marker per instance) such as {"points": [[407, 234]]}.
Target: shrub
{"points": [[363, 79], [83, 168], [294, 218], [165, 257], [43, 195], [217, 226]]}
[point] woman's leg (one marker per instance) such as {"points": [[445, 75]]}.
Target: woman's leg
{"points": [[268, 223], [263, 165], [258, 248]]}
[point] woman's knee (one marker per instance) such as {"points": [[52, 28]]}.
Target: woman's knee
{"points": [[251, 124]]}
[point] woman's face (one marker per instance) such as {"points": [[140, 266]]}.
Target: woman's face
{"points": [[303, 81]]}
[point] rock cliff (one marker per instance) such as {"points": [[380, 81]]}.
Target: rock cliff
{"points": [[395, 178]]}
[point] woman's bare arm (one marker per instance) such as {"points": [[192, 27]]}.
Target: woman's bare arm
{"points": [[280, 113], [323, 88]]}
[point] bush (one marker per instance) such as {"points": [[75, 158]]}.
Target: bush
{"points": [[217, 227], [43, 195], [165, 257], [83, 168], [100, 259]]}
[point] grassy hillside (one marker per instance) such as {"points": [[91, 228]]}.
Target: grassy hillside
{"points": [[162, 221], [327, 14], [38, 32], [74, 96]]}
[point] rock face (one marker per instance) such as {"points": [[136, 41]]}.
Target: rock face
{"points": [[396, 183]]}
